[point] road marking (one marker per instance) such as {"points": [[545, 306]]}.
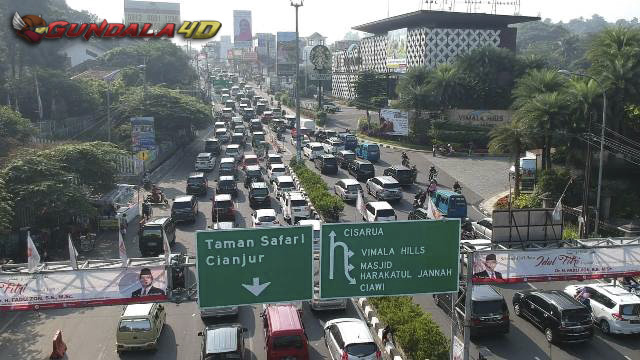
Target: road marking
{"points": [[532, 286], [626, 357], [536, 358]]}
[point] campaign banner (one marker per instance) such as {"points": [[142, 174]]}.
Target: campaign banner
{"points": [[394, 122], [77, 288], [143, 134], [555, 264], [397, 50], [242, 34]]}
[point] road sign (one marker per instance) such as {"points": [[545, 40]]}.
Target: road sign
{"points": [[143, 155], [314, 75], [254, 266], [389, 258]]}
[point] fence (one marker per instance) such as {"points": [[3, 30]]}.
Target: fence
{"points": [[66, 128], [129, 165]]}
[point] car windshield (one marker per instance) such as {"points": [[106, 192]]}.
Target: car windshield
{"points": [[373, 148], [226, 183], [391, 186], [211, 144], [488, 307], [285, 185], [254, 173], [330, 161], [277, 170], [224, 204], [134, 325], [366, 167], [354, 188], [267, 218], [251, 161], [152, 233], [386, 213], [195, 181], [226, 165], [260, 192], [181, 205], [258, 137], [630, 309], [231, 151], [287, 342], [298, 202], [349, 156], [362, 349], [403, 173], [575, 315], [202, 159], [275, 160]]}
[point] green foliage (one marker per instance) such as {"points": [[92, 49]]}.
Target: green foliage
{"points": [[570, 232], [328, 205], [554, 181], [415, 331], [15, 130], [321, 118], [368, 86], [6, 206], [527, 201]]}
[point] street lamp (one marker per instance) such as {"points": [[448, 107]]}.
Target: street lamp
{"points": [[604, 121], [297, 4]]}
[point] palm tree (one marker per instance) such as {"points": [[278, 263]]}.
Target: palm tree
{"points": [[510, 138], [534, 83], [446, 85], [546, 116], [585, 95]]}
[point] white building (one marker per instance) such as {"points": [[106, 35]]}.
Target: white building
{"points": [[78, 52]]}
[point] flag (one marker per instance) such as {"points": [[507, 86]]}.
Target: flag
{"points": [[73, 254], [432, 210], [122, 250], [360, 203], [166, 247], [557, 211], [32, 254]]}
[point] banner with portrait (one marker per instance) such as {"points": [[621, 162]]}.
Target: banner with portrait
{"points": [[78, 288], [242, 33], [394, 122], [505, 266]]}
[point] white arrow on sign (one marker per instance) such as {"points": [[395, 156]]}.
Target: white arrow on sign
{"points": [[256, 288]]}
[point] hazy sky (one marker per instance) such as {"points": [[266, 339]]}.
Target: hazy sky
{"points": [[333, 18]]}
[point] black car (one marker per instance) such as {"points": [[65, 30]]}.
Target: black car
{"points": [[259, 194], [212, 146], [253, 173], [197, 184], [561, 317], [151, 235], [401, 173], [350, 141], [227, 185], [327, 164], [184, 208], [362, 170], [418, 214], [222, 208], [489, 314], [344, 157]]}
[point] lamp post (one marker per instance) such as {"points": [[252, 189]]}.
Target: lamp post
{"points": [[297, 4], [601, 160]]}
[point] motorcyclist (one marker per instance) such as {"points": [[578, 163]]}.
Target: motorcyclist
{"points": [[156, 193], [405, 158], [146, 210], [456, 187], [414, 173], [432, 173], [432, 187]]}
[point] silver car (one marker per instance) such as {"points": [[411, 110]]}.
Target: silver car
{"points": [[352, 338], [384, 188]]}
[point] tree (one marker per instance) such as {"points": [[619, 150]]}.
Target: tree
{"points": [[585, 95], [534, 83], [15, 130], [368, 86], [6, 212], [446, 85], [510, 138]]}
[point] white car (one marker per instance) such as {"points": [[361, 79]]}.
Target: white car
{"points": [[379, 211], [295, 206], [265, 218], [276, 170], [483, 228], [316, 224], [333, 145], [305, 140], [313, 150], [614, 309], [220, 125], [347, 189], [205, 161], [350, 339], [283, 185]]}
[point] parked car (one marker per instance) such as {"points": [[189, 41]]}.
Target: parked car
{"points": [[184, 208], [483, 228], [197, 184], [384, 188], [313, 150], [223, 342], [402, 174], [227, 185], [379, 211], [259, 194], [350, 339], [362, 170], [561, 317], [326, 163], [347, 189], [614, 309], [264, 218], [140, 326], [222, 209], [344, 157]]}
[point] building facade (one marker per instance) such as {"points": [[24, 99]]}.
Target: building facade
{"points": [[427, 38]]}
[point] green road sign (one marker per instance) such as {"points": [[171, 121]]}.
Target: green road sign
{"points": [[389, 258], [254, 266]]}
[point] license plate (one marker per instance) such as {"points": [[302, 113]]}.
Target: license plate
{"points": [[634, 321]]}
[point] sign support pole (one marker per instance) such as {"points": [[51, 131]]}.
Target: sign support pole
{"points": [[454, 327], [468, 305]]}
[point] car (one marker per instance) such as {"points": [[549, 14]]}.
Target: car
{"points": [[402, 174], [224, 225], [344, 157], [224, 341], [184, 208], [219, 125], [259, 194], [350, 339], [379, 211], [227, 167], [323, 134], [295, 206], [326, 163], [152, 232], [257, 138], [276, 170], [362, 170], [255, 125], [282, 185], [250, 160], [384, 188], [418, 214], [212, 146], [238, 139], [330, 107], [347, 189], [367, 151], [253, 173], [316, 225], [227, 185], [140, 326], [483, 228], [615, 310], [317, 303], [264, 218], [222, 208], [234, 151], [197, 184], [274, 159], [222, 135], [205, 161], [561, 317], [350, 140], [333, 145], [313, 150], [305, 140]]}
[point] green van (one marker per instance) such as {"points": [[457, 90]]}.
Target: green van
{"points": [[140, 326]]}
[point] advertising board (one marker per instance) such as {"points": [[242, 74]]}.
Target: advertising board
{"points": [[76, 288], [394, 122], [286, 53], [397, 50], [242, 35], [156, 13], [506, 266], [518, 226], [143, 134]]}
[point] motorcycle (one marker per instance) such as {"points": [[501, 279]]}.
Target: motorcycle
{"points": [[457, 190], [157, 201], [414, 174], [87, 242], [433, 175]]}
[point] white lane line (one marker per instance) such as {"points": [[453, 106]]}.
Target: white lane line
{"points": [[536, 358], [626, 357], [532, 286]]}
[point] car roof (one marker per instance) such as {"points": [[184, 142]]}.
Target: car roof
{"points": [[233, 146], [278, 166], [227, 177], [559, 298], [221, 339], [352, 331], [221, 130], [361, 161], [296, 195], [227, 108], [183, 198], [157, 220], [387, 179], [258, 132], [251, 156], [621, 294], [265, 212], [284, 178], [219, 122], [204, 154], [315, 223], [349, 181], [399, 167], [485, 293], [133, 310], [211, 139], [327, 156], [447, 192], [272, 155], [227, 159], [283, 317], [253, 167], [315, 144], [222, 197], [259, 185], [381, 205], [196, 175]]}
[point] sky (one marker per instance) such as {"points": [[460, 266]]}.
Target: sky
{"points": [[334, 18]]}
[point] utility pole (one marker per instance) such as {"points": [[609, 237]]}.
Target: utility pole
{"points": [[298, 142], [468, 305], [584, 230]]}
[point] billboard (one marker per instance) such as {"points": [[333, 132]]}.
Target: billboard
{"points": [[505, 266], [76, 288], [242, 35], [480, 117], [397, 50], [143, 134], [517, 226], [286, 53], [156, 13], [394, 122]]}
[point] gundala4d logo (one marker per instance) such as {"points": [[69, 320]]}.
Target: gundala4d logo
{"points": [[33, 29]]}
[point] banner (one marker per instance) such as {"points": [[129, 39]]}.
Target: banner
{"points": [[555, 264], [397, 50], [394, 122], [78, 288], [242, 35], [143, 133], [286, 54]]}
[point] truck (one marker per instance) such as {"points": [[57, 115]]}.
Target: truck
{"points": [[307, 126]]}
